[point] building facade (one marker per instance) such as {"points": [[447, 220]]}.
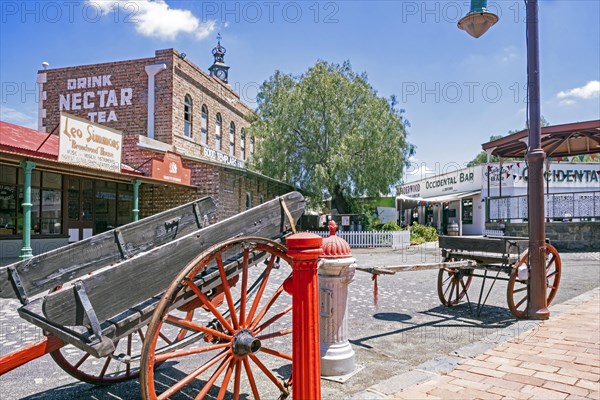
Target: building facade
{"points": [[183, 137], [487, 197]]}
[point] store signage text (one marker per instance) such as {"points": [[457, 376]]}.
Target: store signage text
{"points": [[171, 169], [571, 175], [100, 104], [90, 145], [410, 188], [462, 177], [222, 158]]}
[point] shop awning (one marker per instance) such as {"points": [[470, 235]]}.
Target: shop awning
{"points": [[414, 201]]}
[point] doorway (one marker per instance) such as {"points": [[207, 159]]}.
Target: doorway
{"points": [[80, 208]]}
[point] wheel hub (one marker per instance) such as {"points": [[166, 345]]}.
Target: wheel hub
{"points": [[244, 343]]}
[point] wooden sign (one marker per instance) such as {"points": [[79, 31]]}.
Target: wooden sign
{"points": [[171, 169], [88, 144]]}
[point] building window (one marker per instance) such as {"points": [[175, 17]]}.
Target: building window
{"points": [[219, 120], [262, 199], [204, 125], [251, 147], [248, 201], [187, 116], [46, 202], [232, 139], [243, 144], [467, 211]]}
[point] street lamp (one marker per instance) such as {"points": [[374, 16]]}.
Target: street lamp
{"points": [[477, 21]]}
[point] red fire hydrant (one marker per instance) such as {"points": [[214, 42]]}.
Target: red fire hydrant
{"points": [[304, 250]]}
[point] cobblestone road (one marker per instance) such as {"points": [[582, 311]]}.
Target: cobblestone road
{"points": [[407, 328]]}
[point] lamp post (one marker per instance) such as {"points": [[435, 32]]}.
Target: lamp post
{"points": [[476, 23]]}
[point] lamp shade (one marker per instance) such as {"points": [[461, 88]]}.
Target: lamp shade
{"points": [[478, 20]]}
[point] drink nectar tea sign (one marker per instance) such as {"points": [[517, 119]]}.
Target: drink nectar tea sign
{"points": [[88, 144]]}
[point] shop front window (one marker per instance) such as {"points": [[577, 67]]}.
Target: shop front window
{"points": [[8, 210], [467, 211], [124, 204], [106, 206]]}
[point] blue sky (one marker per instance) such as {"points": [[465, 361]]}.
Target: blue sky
{"points": [[457, 91]]}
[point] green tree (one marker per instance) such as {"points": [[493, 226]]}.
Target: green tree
{"points": [[328, 133]]}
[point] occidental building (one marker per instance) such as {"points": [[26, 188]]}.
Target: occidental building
{"points": [[492, 198], [167, 132]]}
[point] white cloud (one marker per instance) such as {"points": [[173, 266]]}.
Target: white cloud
{"points": [[509, 54], [155, 18], [588, 91], [8, 114]]}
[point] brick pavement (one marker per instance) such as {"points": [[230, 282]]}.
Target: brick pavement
{"points": [[558, 359]]}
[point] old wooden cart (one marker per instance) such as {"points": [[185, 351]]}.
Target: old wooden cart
{"points": [[494, 258], [115, 306]]}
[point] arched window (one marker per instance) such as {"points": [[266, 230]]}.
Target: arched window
{"points": [[243, 144], [187, 116], [262, 199], [248, 201], [204, 125], [251, 147], [232, 139], [219, 120]]}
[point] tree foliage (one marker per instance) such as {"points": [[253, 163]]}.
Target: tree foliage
{"points": [[328, 133]]}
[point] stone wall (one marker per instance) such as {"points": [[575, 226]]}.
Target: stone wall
{"points": [[565, 236]]}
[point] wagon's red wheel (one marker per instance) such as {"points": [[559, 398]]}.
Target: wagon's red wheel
{"points": [[246, 351], [453, 284], [122, 365], [517, 291]]}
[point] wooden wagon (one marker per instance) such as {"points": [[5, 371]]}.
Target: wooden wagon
{"points": [[117, 305], [493, 259]]}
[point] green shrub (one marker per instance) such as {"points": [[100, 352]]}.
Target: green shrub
{"points": [[421, 234], [390, 226]]}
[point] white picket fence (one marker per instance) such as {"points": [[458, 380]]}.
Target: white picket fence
{"points": [[365, 239]]}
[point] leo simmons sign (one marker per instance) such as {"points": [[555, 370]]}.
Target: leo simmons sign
{"points": [[90, 145]]}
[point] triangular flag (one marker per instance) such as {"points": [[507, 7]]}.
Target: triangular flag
{"points": [[593, 156], [581, 157], [518, 165]]}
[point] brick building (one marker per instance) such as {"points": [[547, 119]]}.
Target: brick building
{"points": [[182, 133], [166, 104]]}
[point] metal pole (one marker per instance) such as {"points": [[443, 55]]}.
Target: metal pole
{"points": [[304, 250], [136, 191], [536, 306], [26, 251]]}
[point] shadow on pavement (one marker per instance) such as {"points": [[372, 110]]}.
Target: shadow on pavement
{"points": [[460, 316]]}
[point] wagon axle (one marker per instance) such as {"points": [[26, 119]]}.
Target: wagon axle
{"points": [[245, 343]]}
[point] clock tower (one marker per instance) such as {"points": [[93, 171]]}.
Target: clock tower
{"points": [[219, 68]]}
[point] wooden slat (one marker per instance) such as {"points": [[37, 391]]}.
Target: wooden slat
{"points": [[47, 270], [487, 245], [116, 289]]}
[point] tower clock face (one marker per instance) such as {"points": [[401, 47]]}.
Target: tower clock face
{"points": [[221, 74]]}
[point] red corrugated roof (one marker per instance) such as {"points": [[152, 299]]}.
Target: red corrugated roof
{"points": [[26, 141], [30, 142]]}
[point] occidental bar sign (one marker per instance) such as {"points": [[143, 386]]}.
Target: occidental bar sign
{"points": [[90, 145]]}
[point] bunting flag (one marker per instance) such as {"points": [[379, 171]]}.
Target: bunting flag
{"points": [[558, 159], [593, 156], [518, 165]]}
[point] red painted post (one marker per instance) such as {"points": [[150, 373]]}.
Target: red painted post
{"points": [[304, 250]]}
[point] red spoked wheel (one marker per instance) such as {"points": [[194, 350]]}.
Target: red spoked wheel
{"points": [[453, 284], [123, 364], [244, 348], [517, 292]]}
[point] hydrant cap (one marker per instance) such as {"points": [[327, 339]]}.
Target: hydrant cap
{"points": [[334, 246]]}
